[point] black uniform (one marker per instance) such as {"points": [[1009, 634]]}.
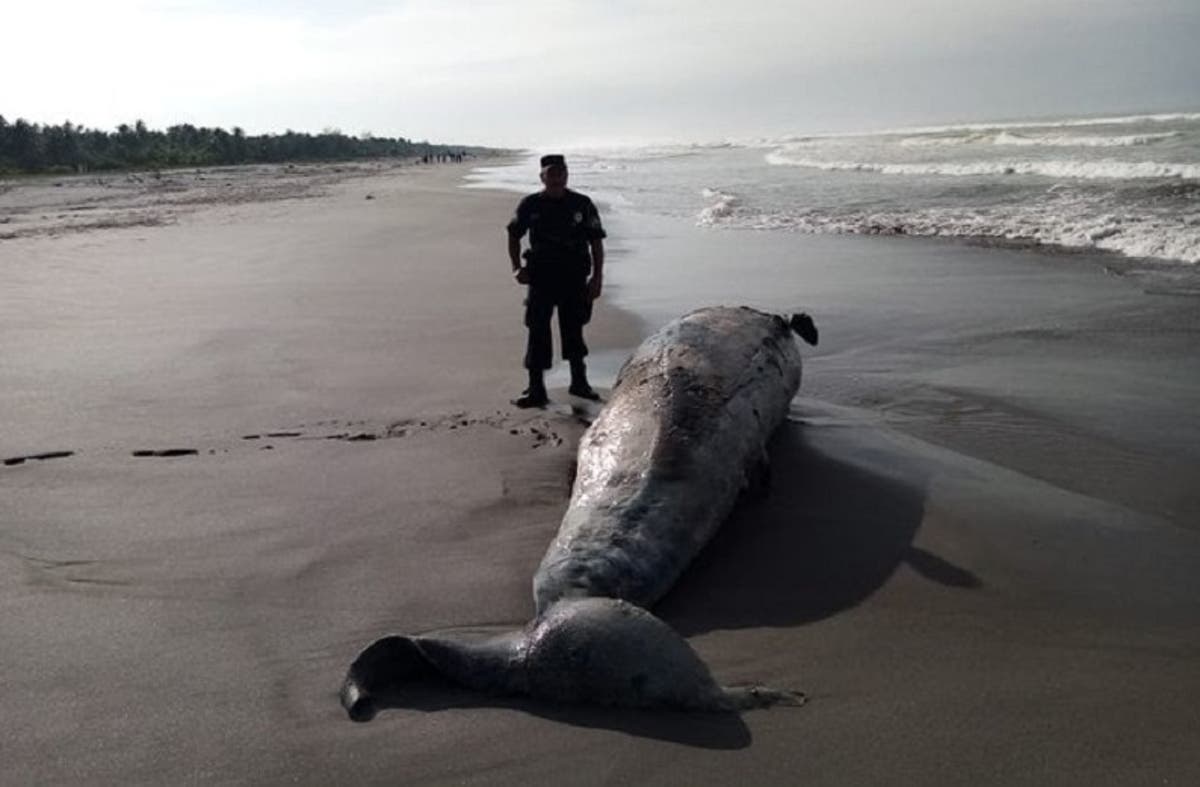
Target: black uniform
{"points": [[559, 261]]}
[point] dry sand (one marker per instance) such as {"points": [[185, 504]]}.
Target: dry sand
{"points": [[341, 366]]}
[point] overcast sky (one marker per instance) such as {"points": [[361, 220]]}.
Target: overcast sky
{"points": [[568, 71]]}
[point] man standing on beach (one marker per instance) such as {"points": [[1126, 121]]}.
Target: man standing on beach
{"points": [[566, 246]]}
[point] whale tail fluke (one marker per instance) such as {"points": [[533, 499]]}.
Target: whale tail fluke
{"points": [[395, 671], [379, 671], [804, 327], [582, 650]]}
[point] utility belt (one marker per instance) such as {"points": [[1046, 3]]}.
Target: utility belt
{"points": [[557, 267]]}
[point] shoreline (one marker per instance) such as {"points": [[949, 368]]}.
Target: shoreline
{"points": [[600, 184]]}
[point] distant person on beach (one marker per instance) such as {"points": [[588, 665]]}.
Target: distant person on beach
{"points": [[563, 269]]}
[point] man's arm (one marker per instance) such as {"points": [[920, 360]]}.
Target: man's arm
{"points": [[517, 227], [514, 252], [514, 257], [595, 235], [597, 281]]}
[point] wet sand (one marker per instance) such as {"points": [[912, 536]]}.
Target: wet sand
{"points": [[972, 582]]}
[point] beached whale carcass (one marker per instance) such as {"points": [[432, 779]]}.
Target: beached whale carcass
{"points": [[661, 467], [684, 431]]}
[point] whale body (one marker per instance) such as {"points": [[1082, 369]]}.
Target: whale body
{"points": [[661, 467], [683, 434]]}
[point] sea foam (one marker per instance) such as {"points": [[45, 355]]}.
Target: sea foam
{"points": [[1070, 225], [722, 206]]}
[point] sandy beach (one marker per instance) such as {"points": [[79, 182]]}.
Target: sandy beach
{"points": [[248, 428]]}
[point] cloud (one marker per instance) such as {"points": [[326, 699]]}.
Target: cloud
{"points": [[479, 70]]}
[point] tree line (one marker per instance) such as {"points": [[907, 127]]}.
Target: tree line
{"points": [[33, 148]]}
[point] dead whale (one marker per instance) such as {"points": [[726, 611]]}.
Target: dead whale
{"points": [[683, 433]]}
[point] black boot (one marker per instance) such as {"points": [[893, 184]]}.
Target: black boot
{"points": [[579, 382], [535, 394]]}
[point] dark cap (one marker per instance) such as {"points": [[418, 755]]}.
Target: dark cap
{"points": [[553, 160]]}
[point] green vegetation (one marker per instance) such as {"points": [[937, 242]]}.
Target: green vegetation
{"points": [[32, 148]]}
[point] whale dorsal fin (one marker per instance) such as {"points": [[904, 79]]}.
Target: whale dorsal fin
{"points": [[804, 327]]}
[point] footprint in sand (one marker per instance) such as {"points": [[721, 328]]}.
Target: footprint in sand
{"points": [[20, 460], [167, 452], [541, 430]]}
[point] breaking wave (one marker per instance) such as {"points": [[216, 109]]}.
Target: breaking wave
{"points": [[1121, 120], [1081, 140], [966, 133], [722, 207], [1012, 139], [1064, 168], [1070, 226]]}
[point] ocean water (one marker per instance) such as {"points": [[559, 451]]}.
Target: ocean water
{"points": [[1128, 185]]}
